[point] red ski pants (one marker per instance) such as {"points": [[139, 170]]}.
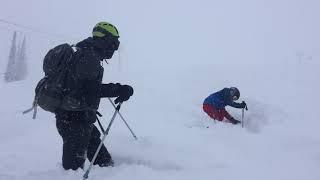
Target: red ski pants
{"points": [[215, 113]]}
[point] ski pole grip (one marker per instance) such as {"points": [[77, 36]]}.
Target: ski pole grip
{"points": [[118, 107]]}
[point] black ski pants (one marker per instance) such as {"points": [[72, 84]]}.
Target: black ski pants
{"points": [[80, 141]]}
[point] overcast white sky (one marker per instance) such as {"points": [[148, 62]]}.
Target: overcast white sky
{"points": [[246, 31]]}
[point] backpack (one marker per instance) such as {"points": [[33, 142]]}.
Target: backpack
{"points": [[50, 92]]}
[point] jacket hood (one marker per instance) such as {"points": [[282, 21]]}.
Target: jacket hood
{"points": [[100, 46]]}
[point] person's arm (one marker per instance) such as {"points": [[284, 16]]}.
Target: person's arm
{"points": [[89, 76], [229, 117], [109, 90], [122, 92], [237, 105], [87, 73], [229, 101], [226, 114], [87, 67]]}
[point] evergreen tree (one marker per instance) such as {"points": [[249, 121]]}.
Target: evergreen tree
{"points": [[10, 74], [21, 65]]}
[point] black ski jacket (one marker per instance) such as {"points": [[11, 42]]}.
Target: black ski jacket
{"points": [[84, 80]]}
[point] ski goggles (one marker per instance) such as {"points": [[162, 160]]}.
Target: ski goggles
{"points": [[235, 98], [113, 42]]}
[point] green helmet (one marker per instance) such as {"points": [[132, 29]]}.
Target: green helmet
{"points": [[103, 29]]}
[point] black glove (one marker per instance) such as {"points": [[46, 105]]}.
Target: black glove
{"points": [[124, 93], [234, 121], [243, 105], [109, 90]]}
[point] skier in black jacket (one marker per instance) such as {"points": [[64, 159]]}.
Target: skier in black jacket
{"points": [[84, 81]]}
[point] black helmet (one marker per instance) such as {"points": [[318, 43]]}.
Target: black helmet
{"points": [[234, 93]]}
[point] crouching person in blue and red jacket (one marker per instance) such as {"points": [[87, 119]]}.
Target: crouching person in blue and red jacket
{"points": [[214, 105]]}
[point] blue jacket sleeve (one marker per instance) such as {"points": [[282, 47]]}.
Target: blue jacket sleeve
{"points": [[228, 99], [234, 104]]}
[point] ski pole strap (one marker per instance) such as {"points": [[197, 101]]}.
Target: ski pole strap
{"points": [[35, 110], [98, 113], [28, 110]]}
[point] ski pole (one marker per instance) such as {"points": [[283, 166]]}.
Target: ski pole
{"points": [[135, 137], [242, 117], [242, 121], [100, 115], [101, 127], [105, 133]]}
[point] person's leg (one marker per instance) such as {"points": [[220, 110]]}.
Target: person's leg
{"points": [[208, 110], [75, 137], [212, 112], [225, 114], [219, 115], [104, 157]]}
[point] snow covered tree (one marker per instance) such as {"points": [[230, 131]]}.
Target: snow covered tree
{"points": [[21, 65], [16, 67], [10, 74]]}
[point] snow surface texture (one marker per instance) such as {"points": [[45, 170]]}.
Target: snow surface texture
{"points": [[174, 54]]}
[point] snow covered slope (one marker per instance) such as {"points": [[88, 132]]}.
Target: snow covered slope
{"points": [[174, 54]]}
